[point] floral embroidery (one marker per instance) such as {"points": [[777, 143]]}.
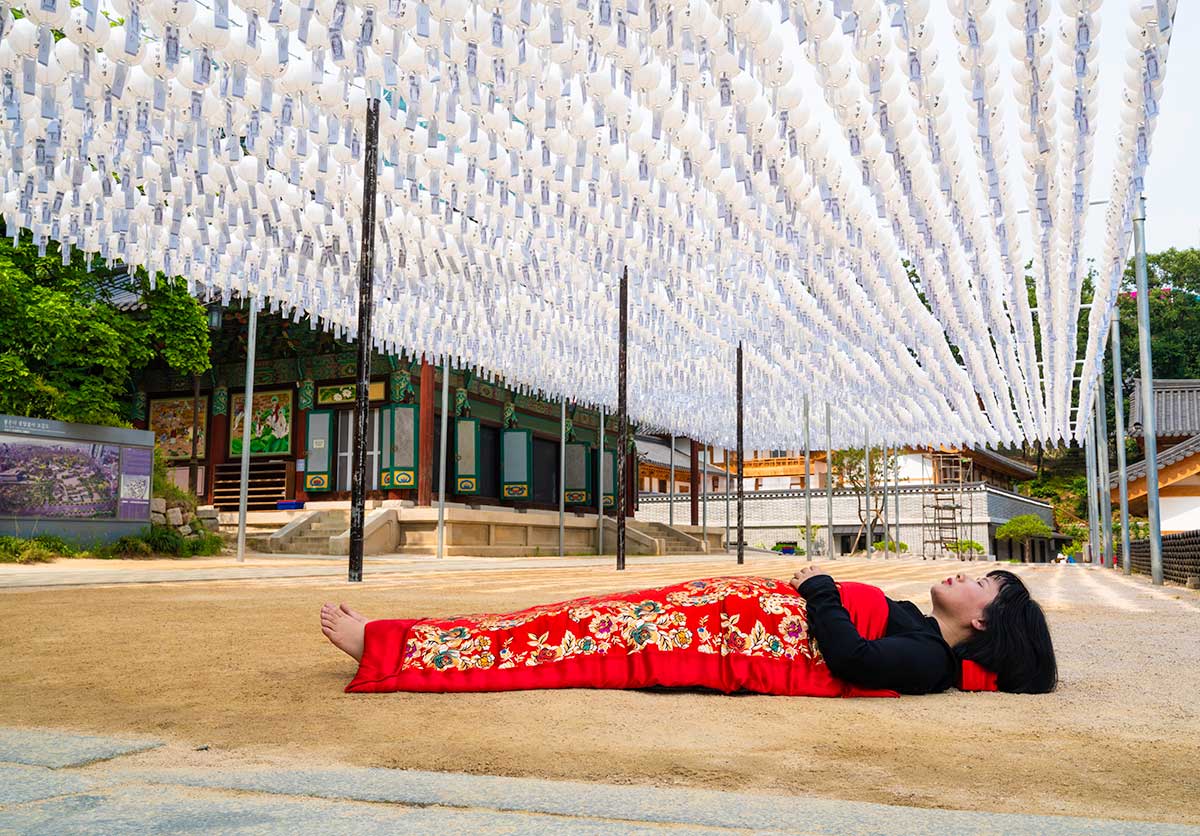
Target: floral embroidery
{"points": [[614, 623]]}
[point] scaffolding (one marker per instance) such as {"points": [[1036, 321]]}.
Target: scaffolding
{"points": [[942, 520]]}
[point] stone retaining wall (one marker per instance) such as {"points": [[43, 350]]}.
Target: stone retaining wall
{"points": [[189, 524]]}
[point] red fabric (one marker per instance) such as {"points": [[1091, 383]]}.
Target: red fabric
{"points": [[729, 634], [976, 677]]}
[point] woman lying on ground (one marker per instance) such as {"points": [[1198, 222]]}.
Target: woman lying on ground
{"points": [[809, 637]]}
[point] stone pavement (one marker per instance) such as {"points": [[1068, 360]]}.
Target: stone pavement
{"points": [[59, 783]]}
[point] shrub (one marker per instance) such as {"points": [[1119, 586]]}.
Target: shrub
{"points": [[889, 545], [164, 539], [56, 544], [10, 547], [128, 546], [32, 552], [205, 545], [964, 546]]}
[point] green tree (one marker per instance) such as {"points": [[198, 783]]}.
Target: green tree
{"points": [[849, 467], [67, 352], [1023, 528], [1173, 282], [961, 547]]}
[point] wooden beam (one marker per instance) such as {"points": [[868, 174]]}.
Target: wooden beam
{"points": [[1169, 475]]}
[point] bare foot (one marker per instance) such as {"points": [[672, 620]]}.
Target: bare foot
{"points": [[357, 616], [344, 630]]}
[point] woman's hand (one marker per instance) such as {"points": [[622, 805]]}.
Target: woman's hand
{"points": [[804, 574]]}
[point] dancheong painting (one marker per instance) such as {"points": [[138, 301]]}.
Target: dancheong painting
{"points": [[270, 423], [171, 423]]}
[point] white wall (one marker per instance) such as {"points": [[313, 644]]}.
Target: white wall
{"points": [[1179, 513], [916, 468]]}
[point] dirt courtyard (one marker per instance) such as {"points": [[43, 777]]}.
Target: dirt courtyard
{"points": [[242, 667]]}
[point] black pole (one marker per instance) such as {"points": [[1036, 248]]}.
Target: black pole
{"points": [[741, 515], [366, 305], [193, 464], [622, 418]]}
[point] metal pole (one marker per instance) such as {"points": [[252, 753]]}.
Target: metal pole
{"points": [[1119, 421], [829, 477], [1103, 497], [741, 510], [193, 463], [867, 471], [896, 495], [671, 494], [704, 497], [727, 518], [366, 305], [441, 532], [622, 418], [247, 420], [808, 538], [562, 478], [1089, 449], [1147, 374], [600, 490], [887, 535]]}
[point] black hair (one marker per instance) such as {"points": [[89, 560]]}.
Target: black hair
{"points": [[1015, 643]]}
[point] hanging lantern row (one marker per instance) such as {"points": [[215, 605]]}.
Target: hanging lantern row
{"points": [[531, 151]]}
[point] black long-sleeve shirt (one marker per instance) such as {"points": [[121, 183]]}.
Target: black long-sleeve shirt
{"points": [[911, 658]]}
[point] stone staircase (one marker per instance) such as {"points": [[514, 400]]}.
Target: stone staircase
{"points": [[308, 534], [672, 540]]}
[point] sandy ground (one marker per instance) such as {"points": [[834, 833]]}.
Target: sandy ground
{"points": [[242, 667]]}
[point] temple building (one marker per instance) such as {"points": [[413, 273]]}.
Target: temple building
{"points": [[945, 498], [503, 451], [1177, 432]]}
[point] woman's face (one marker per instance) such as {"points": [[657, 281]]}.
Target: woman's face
{"points": [[964, 599]]}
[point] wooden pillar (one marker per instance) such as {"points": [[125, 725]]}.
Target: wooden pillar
{"points": [[694, 479], [425, 439], [218, 439], [305, 396], [632, 483]]}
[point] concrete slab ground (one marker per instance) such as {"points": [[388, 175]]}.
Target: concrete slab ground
{"points": [[132, 794]]}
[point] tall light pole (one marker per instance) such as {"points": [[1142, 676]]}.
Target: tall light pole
{"points": [[442, 469], [867, 471], [829, 477], [1119, 422], [671, 492], [562, 478], [808, 538], [1103, 497], [247, 420], [1089, 449], [600, 488], [622, 417], [741, 457], [1147, 374]]}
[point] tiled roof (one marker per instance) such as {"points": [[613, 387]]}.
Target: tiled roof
{"points": [[1176, 453], [656, 451], [1011, 466], [1176, 408]]}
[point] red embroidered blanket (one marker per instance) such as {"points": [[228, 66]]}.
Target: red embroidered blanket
{"points": [[729, 634]]}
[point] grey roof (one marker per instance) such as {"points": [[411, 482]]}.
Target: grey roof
{"points": [[657, 451], [1018, 469], [1176, 408], [1173, 454]]}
